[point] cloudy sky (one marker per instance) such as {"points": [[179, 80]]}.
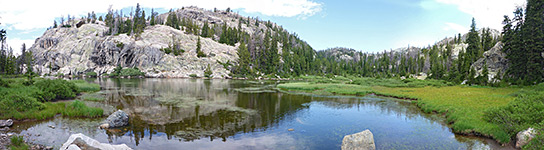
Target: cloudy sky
{"points": [[365, 25]]}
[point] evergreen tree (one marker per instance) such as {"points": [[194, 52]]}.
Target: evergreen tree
{"points": [[199, 52], [153, 15], [474, 50], [244, 59]]}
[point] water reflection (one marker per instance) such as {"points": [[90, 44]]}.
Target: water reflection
{"points": [[214, 114]]}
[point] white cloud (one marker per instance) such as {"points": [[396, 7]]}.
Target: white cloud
{"points": [[16, 44], [31, 14], [488, 13], [455, 27]]}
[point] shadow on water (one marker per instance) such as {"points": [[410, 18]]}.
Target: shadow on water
{"points": [[217, 114]]}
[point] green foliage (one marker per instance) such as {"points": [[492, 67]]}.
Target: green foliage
{"points": [[18, 143], [127, 72], [244, 60], [4, 83], [91, 74], [93, 97], [17, 101], [523, 38], [56, 89], [79, 109], [208, 72], [199, 52], [523, 112], [172, 20], [120, 45], [84, 86], [132, 72], [167, 50], [193, 76]]}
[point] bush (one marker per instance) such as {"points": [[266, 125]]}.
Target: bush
{"points": [[208, 72], [166, 50], [131, 72], [4, 83], [523, 112], [193, 76], [120, 45], [19, 102], [200, 54], [91, 74], [56, 89]]}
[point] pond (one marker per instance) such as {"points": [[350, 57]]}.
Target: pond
{"points": [[245, 114]]}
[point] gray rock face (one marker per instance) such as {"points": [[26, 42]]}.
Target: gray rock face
{"points": [[117, 119], [494, 59], [80, 141], [359, 141], [524, 137], [75, 51], [6, 123]]}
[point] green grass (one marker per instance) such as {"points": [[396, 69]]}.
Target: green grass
{"points": [[18, 143], [18, 101], [85, 86], [93, 97], [68, 109], [326, 88], [79, 109]]}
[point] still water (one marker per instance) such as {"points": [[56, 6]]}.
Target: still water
{"points": [[242, 114]]}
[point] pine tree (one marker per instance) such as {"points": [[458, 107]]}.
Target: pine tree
{"points": [[244, 59], [199, 52], [474, 49], [153, 15]]}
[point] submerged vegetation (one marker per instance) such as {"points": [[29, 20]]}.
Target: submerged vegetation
{"points": [[37, 101]]}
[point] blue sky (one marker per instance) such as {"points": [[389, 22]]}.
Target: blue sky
{"points": [[365, 25]]}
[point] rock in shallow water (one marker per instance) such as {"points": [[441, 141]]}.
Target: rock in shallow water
{"points": [[524, 137], [359, 141], [80, 141], [117, 119], [6, 123]]}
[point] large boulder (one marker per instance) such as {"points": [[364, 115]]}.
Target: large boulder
{"points": [[359, 141], [524, 137], [117, 119], [80, 141], [6, 123]]}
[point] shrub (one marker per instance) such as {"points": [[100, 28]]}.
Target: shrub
{"points": [[166, 50], [131, 72], [91, 74], [523, 112], [200, 54], [193, 76], [120, 45], [19, 102], [208, 72], [56, 89], [4, 83]]}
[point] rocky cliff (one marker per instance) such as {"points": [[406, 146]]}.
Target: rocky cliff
{"points": [[88, 47], [75, 51]]}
